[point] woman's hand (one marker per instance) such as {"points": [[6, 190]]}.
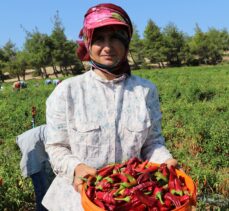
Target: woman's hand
{"points": [[171, 162], [82, 170]]}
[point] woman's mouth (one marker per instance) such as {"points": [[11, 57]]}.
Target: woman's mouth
{"points": [[108, 56]]}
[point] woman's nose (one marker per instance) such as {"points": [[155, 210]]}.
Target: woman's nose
{"points": [[108, 43]]}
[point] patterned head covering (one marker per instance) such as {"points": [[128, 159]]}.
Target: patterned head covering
{"points": [[99, 16]]}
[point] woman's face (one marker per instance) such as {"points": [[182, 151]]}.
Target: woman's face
{"points": [[106, 48]]}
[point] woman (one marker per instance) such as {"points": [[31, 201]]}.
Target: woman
{"points": [[105, 115], [35, 161]]}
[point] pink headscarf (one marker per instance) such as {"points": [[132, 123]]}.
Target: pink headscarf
{"points": [[99, 16]]}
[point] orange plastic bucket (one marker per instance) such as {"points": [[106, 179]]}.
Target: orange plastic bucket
{"points": [[88, 205]]}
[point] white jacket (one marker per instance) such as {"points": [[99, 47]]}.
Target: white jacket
{"points": [[96, 121]]}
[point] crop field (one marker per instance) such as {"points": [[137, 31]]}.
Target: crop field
{"points": [[195, 108]]}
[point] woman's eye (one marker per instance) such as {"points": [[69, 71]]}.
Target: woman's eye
{"points": [[98, 39], [115, 37]]}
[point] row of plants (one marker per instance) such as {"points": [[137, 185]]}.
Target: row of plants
{"points": [[195, 125], [16, 192]]}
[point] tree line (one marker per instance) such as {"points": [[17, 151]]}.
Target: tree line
{"points": [[40, 51], [172, 47], [168, 46]]}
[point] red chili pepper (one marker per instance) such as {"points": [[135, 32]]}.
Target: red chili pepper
{"points": [[110, 207], [177, 187], [141, 207], [164, 169], [90, 192], [147, 200], [160, 177], [184, 199], [162, 207], [182, 179], [119, 190], [125, 192], [119, 177], [131, 179], [123, 187], [141, 166], [126, 199], [150, 169], [171, 183], [130, 166], [127, 184], [107, 197], [133, 160], [131, 189], [99, 203], [129, 170], [172, 170], [129, 205], [90, 180], [34, 111], [143, 178], [105, 171], [150, 188], [134, 165], [168, 203], [117, 168], [172, 176], [153, 209], [158, 193], [174, 199], [103, 185], [142, 186]]}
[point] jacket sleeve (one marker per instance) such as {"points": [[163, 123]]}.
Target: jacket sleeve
{"points": [[154, 148], [57, 143]]}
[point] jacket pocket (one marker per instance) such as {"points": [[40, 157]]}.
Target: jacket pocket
{"points": [[133, 137], [137, 131], [138, 126], [85, 140]]}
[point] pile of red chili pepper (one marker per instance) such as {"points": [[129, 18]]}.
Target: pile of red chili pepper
{"points": [[137, 185]]}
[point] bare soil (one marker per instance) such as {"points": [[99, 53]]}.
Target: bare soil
{"points": [[30, 75]]}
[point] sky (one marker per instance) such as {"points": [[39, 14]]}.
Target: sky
{"points": [[16, 16]]}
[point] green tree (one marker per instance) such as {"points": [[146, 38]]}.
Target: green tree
{"points": [[224, 35], [17, 64], [215, 46], [199, 46], [39, 47], [153, 43], [59, 39], [63, 52], [190, 58], [71, 61], [22, 63], [136, 48], [208, 47], [12, 67], [9, 52], [2, 65], [174, 42]]}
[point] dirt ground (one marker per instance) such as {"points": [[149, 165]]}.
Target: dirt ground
{"points": [[29, 75]]}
